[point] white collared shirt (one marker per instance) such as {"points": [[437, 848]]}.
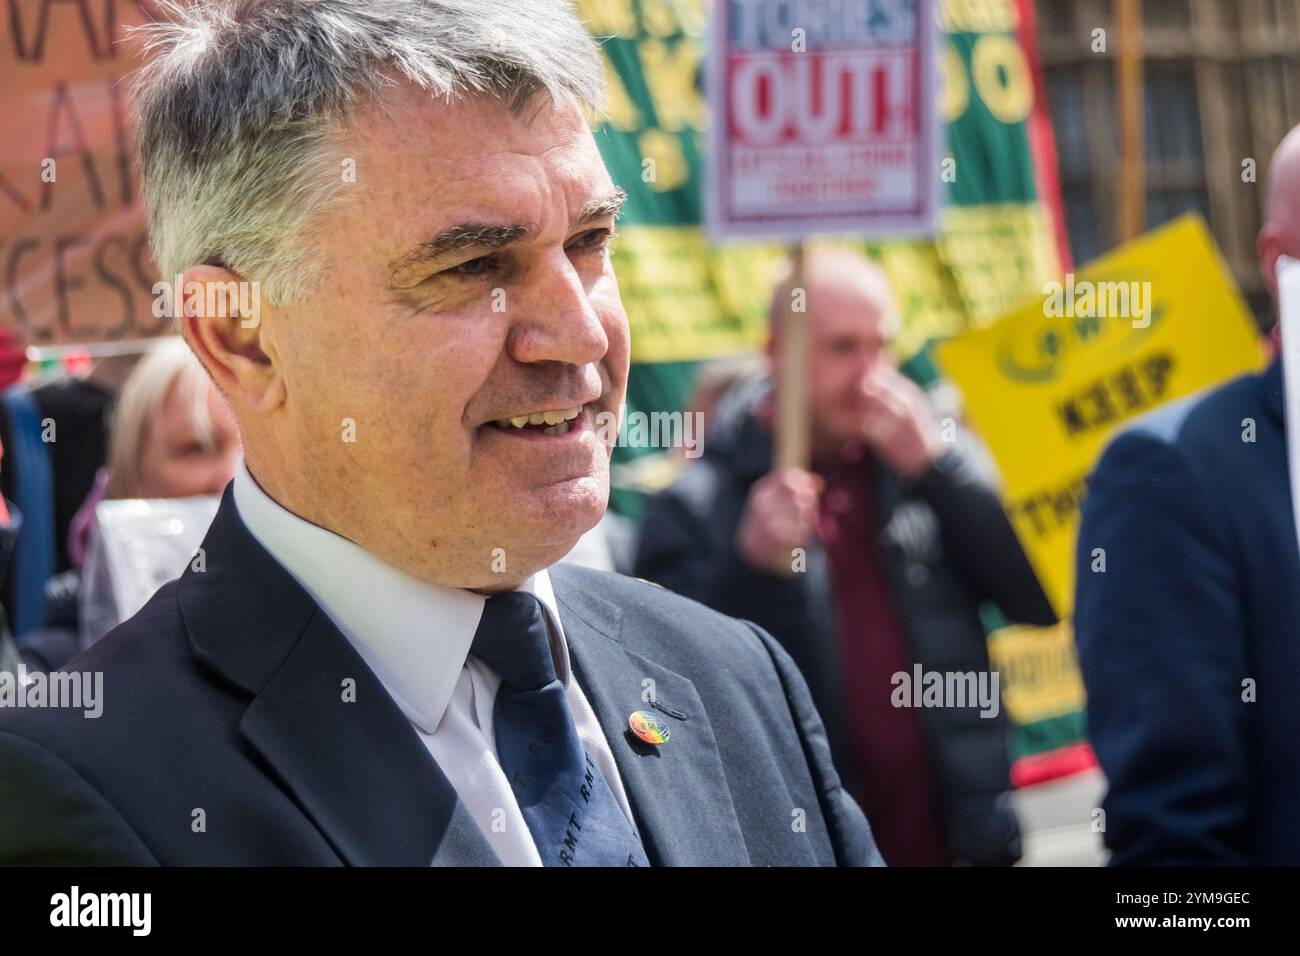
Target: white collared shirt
{"points": [[416, 637]]}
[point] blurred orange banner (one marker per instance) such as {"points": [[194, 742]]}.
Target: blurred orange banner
{"points": [[74, 255]]}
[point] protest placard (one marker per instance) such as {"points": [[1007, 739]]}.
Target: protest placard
{"points": [[1047, 385], [824, 119], [74, 252]]}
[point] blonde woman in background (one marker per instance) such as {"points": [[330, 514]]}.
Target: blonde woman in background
{"points": [[172, 437]]}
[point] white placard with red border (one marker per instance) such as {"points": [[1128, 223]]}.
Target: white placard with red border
{"points": [[824, 119]]}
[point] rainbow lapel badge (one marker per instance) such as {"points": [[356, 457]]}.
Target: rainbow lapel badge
{"points": [[648, 727]]}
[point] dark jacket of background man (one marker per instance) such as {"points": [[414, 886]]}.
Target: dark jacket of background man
{"points": [[945, 546], [1187, 641]]}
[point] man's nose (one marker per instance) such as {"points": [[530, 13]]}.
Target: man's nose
{"points": [[872, 363], [557, 321]]}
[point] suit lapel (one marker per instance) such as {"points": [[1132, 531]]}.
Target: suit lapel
{"points": [[357, 766], [344, 751], [677, 790]]}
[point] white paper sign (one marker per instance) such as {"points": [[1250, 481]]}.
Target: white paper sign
{"points": [[1288, 296], [824, 119], [137, 546]]}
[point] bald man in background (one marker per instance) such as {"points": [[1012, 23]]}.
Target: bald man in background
{"points": [[1188, 641], [902, 538]]}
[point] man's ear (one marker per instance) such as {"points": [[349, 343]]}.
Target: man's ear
{"points": [[1268, 245], [222, 317]]}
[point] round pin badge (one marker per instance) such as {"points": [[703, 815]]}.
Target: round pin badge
{"points": [[648, 727]]}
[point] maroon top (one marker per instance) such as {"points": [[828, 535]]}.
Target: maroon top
{"points": [[898, 791]]}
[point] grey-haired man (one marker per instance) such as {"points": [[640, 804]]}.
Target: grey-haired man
{"points": [[391, 224]]}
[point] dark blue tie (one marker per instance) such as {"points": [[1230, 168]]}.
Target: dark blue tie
{"points": [[570, 810]]}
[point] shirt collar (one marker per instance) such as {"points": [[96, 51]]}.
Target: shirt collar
{"points": [[414, 634]]}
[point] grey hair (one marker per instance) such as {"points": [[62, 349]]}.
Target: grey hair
{"points": [[241, 100]]}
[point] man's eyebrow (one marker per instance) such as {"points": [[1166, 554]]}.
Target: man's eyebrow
{"points": [[610, 204]]}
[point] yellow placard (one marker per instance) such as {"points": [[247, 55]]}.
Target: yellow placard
{"points": [[1040, 671], [1047, 385]]}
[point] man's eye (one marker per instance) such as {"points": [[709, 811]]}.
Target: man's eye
{"points": [[594, 240], [473, 268]]}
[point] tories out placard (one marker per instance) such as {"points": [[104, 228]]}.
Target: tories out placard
{"points": [[824, 118]]}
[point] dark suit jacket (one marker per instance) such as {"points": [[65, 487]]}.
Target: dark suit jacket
{"points": [[1200, 594], [224, 695]]}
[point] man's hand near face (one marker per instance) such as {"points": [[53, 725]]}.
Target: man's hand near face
{"points": [[901, 430], [780, 515]]}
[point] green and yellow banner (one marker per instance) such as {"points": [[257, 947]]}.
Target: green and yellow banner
{"points": [[689, 300], [1001, 239]]}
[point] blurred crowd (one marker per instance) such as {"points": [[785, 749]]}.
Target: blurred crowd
{"points": [[157, 431], [879, 557]]}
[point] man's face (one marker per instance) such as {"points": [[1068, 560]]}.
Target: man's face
{"points": [[850, 326], [1279, 237], [177, 459], [467, 283]]}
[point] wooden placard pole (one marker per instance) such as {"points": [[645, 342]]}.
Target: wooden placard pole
{"points": [[793, 444], [1132, 169]]}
